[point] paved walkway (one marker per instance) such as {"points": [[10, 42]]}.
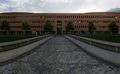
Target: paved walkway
{"points": [[58, 56]]}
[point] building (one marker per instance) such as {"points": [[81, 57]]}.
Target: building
{"points": [[80, 21]]}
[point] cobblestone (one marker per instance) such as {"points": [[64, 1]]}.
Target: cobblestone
{"points": [[59, 56]]}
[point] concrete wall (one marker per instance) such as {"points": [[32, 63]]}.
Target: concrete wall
{"points": [[106, 55], [110, 46], [11, 54], [19, 43]]}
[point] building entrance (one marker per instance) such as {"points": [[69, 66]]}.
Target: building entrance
{"points": [[59, 27]]}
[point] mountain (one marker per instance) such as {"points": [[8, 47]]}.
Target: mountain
{"points": [[117, 10]]}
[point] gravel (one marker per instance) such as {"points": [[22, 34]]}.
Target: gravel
{"points": [[59, 56]]}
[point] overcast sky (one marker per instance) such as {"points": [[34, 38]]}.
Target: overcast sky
{"points": [[59, 6]]}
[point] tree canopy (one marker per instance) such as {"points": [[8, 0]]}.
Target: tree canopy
{"points": [[91, 27], [25, 26], [5, 25], [48, 27], [69, 26], [113, 27]]}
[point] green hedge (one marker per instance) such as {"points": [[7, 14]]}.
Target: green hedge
{"points": [[105, 37], [12, 38]]}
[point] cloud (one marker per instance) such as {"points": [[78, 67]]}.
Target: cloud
{"points": [[60, 6], [98, 5]]}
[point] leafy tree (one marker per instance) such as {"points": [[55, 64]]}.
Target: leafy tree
{"points": [[0, 25], [91, 28], [5, 26], [48, 27], [25, 26], [113, 27], [69, 26]]}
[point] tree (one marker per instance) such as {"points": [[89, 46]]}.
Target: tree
{"points": [[0, 25], [113, 27], [91, 28], [48, 27], [69, 26], [5, 26], [25, 26]]}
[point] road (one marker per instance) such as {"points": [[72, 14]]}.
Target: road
{"points": [[59, 56]]}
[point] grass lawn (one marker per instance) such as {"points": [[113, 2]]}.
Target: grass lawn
{"points": [[104, 37], [12, 38]]}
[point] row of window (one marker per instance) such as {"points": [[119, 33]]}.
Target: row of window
{"points": [[80, 26], [30, 17], [14, 21], [74, 26], [94, 21], [37, 26], [32, 27], [41, 21], [82, 17], [80, 21], [9, 17], [95, 31], [87, 26], [32, 21], [74, 21]]}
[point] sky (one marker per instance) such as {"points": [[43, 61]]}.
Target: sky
{"points": [[58, 6]]}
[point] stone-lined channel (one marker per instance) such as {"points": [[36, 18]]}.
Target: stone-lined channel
{"points": [[59, 56]]}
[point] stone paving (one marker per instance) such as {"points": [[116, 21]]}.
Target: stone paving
{"points": [[59, 56]]}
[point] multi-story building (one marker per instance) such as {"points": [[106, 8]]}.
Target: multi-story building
{"points": [[80, 21]]}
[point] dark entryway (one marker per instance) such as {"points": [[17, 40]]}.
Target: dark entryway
{"points": [[59, 27]]}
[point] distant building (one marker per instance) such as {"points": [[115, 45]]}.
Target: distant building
{"points": [[80, 21]]}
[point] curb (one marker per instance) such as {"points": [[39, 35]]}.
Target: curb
{"points": [[105, 55], [11, 55]]}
